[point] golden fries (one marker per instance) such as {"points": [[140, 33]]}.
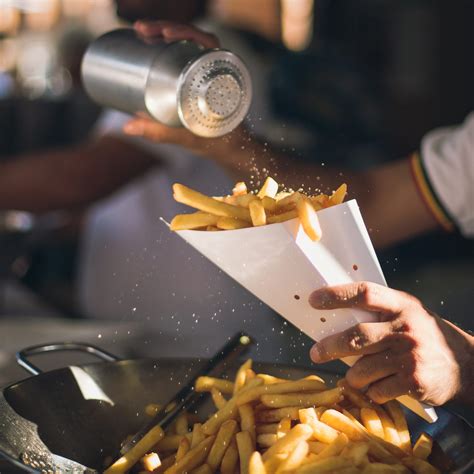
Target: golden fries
{"points": [[269, 188], [193, 221], [309, 219], [244, 209], [276, 426], [143, 446], [257, 213], [192, 198], [206, 384], [326, 398], [423, 446]]}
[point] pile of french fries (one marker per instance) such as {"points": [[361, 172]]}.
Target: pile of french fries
{"points": [[246, 209], [265, 425]]}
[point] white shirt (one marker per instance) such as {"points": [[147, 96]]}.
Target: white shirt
{"points": [[447, 156]]}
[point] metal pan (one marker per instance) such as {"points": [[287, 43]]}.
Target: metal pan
{"points": [[84, 412]]}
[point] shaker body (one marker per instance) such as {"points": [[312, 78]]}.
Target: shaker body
{"points": [[180, 83]]}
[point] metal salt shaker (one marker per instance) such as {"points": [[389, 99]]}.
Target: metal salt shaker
{"points": [[178, 84]]}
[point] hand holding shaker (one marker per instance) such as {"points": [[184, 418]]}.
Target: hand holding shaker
{"points": [[178, 84]]}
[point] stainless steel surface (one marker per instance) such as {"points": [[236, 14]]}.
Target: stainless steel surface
{"points": [[187, 398], [178, 84], [22, 357], [83, 413]]}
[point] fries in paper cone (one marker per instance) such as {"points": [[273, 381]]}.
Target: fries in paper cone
{"points": [[283, 246]]}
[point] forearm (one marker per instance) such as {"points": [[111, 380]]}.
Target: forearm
{"points": [[69, 178]]}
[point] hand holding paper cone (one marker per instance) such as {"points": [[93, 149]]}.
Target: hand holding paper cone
{"points": [[410, 351]]}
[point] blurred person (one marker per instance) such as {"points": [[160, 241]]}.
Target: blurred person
{"points": [[131, 267], [410, 350]]}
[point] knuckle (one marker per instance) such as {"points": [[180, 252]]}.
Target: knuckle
{"points": [[378, 394], [367, 292], [355, 338], [358, 374]]}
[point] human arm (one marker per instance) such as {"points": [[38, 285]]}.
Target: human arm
{"points": [[70, 177], [410, 351]]}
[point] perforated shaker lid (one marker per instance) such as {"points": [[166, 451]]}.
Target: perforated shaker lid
{"points": [[214, 94]]}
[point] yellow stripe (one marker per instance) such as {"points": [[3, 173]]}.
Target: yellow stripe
{"points": [[427, 194]]}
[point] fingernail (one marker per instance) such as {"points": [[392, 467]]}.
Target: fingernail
{"points": [[315, 354], [133, 128], [318, 299]]}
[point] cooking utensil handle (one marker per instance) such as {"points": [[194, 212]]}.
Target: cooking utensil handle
{"points": [[22, 357], [187, 398]]}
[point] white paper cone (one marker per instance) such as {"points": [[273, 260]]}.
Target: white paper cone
{"points": [[282, 266]]}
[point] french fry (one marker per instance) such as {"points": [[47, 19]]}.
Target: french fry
{"points": [[245, 200], [381, 468], [289, 202], [152, 409], [267, 428], [396, 412], [182, 424], [372, 422], [294, 459], [256, 465], [193, 221], [327, 398], [221, 443], [250, 374], [165, 464], [333, 464], [231, 223], [285, 216], [316, 446], [230, 459], [270, 379], [212, 228], [169, 443], [286, 444], [204, 469], [272, 416], [239, 189], [218, 398], [266, 440], [423, 446], [197, 435], [356, 452], [335, 447], [206, 384], [150, 462], [341, 422], [283, 427], [269, 204], [309, 219], [230, 410], [183, 447], [281, 195], [272, 464], [257, 213], [241, 375], [245, 448], [195, 199], [419, 466], [247, 420], [193, 458], [128, 460], [281, 388], [269, 188], [338, 195]]}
